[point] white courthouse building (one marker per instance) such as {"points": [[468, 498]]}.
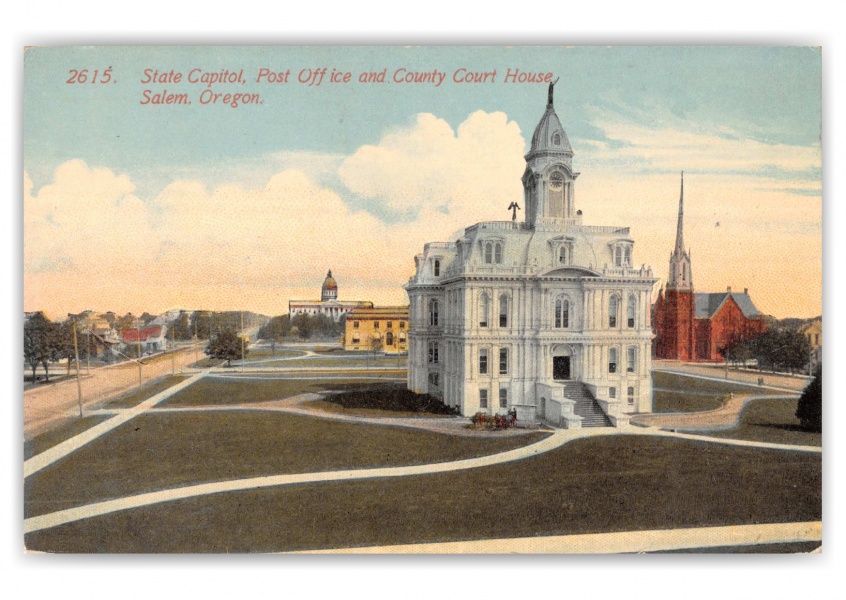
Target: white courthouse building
{"points": [[547, 316]]}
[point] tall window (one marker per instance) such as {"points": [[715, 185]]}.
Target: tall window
{"points": [[562, 255], [632, 359], [630, 395], [556, 195], [612, 392], [503, 397], [402, 324], [618, 257], [612, 360], [437, 268], [483, 362], [612, 311], [389, 339], [375, 324], [562, 313], [627, 259], [503, 311], [630, 311], [556, 139], [484, 310], [503, 361], [498, 253], [434, 379], [483, 398], [489, 253], [433, 352], [433, 312]]}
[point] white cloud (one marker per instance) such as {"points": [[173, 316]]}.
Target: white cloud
{"points": [[475, 169]]}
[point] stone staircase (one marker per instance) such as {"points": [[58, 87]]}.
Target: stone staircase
{"points": [[586, 405]]}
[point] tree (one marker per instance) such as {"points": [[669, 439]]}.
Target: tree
{"points": [[36, 341], [809, 410], [227, 345], [304, 325], [181, 328], [780, 348]]}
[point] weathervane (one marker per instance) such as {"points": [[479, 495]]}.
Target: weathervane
{"points": [[514, 207]]}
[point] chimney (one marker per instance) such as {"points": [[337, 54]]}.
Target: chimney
{"points": [[728, 289], [746, 291]]}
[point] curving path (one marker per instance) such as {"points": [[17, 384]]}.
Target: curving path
{"points": [[725, 417], [661, 540]]}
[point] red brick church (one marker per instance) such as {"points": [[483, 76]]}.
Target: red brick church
{"points": [[695, 327]]}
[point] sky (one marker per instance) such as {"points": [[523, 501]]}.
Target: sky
{"points": [[143, 207]]}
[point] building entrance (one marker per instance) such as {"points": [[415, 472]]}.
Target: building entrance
{"points": [[561, 367]]}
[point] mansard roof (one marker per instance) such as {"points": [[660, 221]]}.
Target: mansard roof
{"points": [[707, 304]]}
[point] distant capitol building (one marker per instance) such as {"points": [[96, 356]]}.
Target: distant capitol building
{"points": [[328, 304], [547, 317]]}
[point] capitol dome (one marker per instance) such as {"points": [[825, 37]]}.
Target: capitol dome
{"points": [[330, 288]]}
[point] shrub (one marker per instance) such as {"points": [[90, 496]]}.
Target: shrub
{"points": [[485, 421], [809, 410]]}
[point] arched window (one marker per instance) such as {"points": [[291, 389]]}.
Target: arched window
{"points": [[562, 313], [630, 311], [562, 255], [503, 311], [389, 339], [498, 253], [488, 253], [437, 268], [433, 312], [556, 195], [612, 311], [484, 310], [618, 257], [628, 256], [433, 352], [632, 360], [612, 360], [556, 139], [402, 338]]}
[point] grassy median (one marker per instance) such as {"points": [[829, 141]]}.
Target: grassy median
{"points": [[605, 484], [158, 451], [773, 421]]}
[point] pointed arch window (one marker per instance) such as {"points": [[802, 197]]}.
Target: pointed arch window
{"points": [[503, 311], [484, 309], [631, 311], [612, 311], [433, 312]]}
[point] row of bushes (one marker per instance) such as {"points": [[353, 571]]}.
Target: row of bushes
{"points": [[486, 421]]}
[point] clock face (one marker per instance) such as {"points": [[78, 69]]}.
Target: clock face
{"points": [[556, 181]]}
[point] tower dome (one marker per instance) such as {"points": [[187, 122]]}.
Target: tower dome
{"points": [[330, 288], [549, 135]]}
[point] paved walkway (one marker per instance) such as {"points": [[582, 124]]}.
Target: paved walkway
{"points": [[776, 381], [612, 543], [725, 417], [48, 457]]}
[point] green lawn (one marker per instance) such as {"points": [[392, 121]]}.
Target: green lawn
{"points": [[156, 451], [675, 381], [280, 353], [65, 431], [664, 401], [603, 484], [145, 392], [770, 420]]}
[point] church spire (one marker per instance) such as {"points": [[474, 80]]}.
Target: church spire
{"points": [[680, 227], [680, 277]]}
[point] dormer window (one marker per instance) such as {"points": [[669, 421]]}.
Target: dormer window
{"points": [[493, 253], [556, 139], [621, 253], [562, 255], [437, 268]]}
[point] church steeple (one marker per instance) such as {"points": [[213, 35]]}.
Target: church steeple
{"points": [[680, 226], [680, 277]]}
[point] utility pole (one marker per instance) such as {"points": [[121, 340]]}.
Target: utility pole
{"points": [[78, 383], [243, 333]]}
